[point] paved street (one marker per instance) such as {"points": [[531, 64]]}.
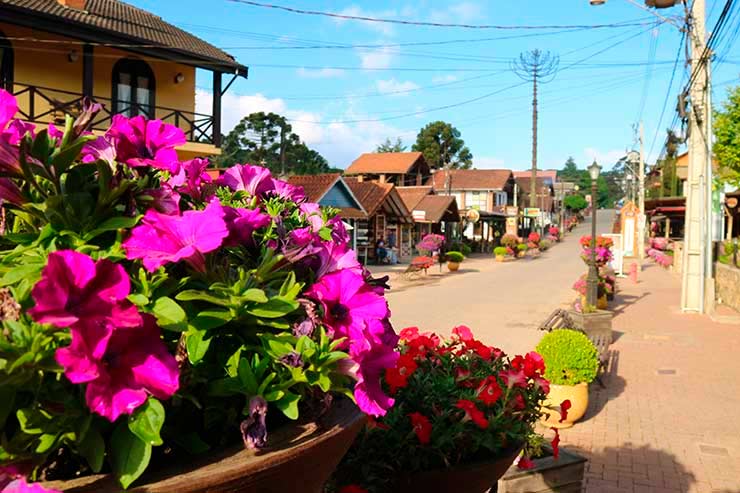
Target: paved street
{"points": [[667, 420], [502, 302]]}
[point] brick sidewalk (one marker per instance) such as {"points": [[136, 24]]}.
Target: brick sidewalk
{"points": [[669, 418]]}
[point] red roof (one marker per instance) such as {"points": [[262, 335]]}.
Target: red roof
{"points": [[397, 163], [471, 179], [411, 196], [374, 196], [314, 186], [541, 173]]}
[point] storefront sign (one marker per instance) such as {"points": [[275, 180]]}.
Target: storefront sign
{"points": [[419, 215], [531, 212], [512, 226], [512, 211]]}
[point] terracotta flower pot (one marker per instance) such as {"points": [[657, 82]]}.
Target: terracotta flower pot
{"points": [[468, 478], [453, 266], [578, 397], [299, 458], [500, 258]]}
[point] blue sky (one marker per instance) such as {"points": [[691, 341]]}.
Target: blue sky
{"points": [[344, 101]]}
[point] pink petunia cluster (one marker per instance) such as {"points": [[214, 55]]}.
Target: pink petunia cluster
{"points": [[115, 350]]}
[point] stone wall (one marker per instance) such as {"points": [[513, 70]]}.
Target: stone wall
{"points": [[727, 285]]}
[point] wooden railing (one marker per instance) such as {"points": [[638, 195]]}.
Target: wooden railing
{"points": [[46, 105]]}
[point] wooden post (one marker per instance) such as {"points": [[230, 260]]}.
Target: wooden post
{"points": [[216, 108], [87, 71]]}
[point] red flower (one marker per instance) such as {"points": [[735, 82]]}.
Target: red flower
{"points": [[543, 384], [420, 345], [422, 427], [519, 403], [472, 412], [463, 333], [518, 362], [409, 333], [534, 365], [489, 391], [555, 444], [514, 378], [524, 463], [481, 349], [564, 406], [397, 377], [352, 488]]}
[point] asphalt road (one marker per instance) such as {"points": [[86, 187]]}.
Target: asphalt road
{"points": [[502, 302]]}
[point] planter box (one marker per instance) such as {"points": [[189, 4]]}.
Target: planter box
{"points": [[564, 475], [598, 323]]}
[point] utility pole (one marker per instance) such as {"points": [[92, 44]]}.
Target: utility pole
{"points": [[535, 66], [697, 241], [641, 215]]}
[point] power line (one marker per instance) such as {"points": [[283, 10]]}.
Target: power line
{"points": [[418, 23], [648, 72], [668, 93]]}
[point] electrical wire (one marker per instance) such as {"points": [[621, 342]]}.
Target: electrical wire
{"points": [[416, 23], [668, 93], [648, 72]]}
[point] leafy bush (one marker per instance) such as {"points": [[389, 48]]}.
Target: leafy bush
{"points": [[521, 247], [459, 246], [570, 358], [455, 257], [500, 251], [509, 240], [730, 247], [575, 202], [545, 245]]}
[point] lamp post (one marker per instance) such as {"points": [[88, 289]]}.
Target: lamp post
{"points": [[592, 280]]}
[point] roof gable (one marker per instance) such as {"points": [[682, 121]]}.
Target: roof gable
{"points": [[411, 196], [470, 179], [327, 189], [386, 163]]}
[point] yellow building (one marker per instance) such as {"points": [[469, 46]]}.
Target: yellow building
{"points": [[53, 53]]}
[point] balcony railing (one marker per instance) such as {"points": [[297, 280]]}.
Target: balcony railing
{"points": [[46, 105]]}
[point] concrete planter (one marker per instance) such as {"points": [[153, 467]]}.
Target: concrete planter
{"points": [[564, 475], [596, 324], [727, 285]]}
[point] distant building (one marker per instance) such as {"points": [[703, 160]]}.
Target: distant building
{"points": [[432, 213], [398, 168]]}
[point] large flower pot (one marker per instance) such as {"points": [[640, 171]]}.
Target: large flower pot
{"points": [[500, 258], [469, 478], [578, 397], [298, 459], [549, 475], [453, 266]]}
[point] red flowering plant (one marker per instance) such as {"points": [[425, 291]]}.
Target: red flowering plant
{"points": [[148, 307], [457, 401]]}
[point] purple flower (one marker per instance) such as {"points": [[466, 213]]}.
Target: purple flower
{"points": [[122, 369], [8, 108], [9, 192], [163, 199], [334, 257], [254, 180], [141, 142], [254, 429], [338, 232], [191, 177], [100, 149], [292, 359], [347, 301], [89, 110], [312, 214], [19, 484], [75, 291], [161, 239], [54, 133], [304, 328], [16, 130], [286, 191], [242, 223], [372, 357]]}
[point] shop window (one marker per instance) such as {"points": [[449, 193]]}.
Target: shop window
{"points": [[133, 88]]}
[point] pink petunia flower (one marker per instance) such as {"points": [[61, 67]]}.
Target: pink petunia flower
{"points": [[373, 358], [347, 301], [163, 199], [513, 378], [141, 142], [10, 192], [8, 108], [161, 239], [75, 291], [125, 368], [285, 190], [191, 178], [100, 149], [242, 223], [254, 180], [312, 214], [463, 333]]}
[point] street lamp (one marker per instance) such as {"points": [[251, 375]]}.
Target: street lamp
{"points": [[592, 280]]}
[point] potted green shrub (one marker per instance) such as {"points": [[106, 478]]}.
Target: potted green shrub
{"points": [[500, 253], [521, 250], [454, 259], [571, 363]]}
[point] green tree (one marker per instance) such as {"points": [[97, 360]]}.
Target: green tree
{"points": [[267, 139], [576, 202], [442, 146], [727, 138], [570, 171], [389, 146]]}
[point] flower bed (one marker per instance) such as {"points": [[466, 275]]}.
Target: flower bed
{"points": [[157, 309]]}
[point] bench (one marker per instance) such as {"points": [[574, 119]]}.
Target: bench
{"points": [[560, 320], [419, 264]]}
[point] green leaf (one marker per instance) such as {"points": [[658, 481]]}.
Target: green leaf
{"points": [[325, 234], [146, 423], [246, 375], [129, 455], [92, 448], [112, 224], [15, 274], [195, 295], [197, 344], [30, 421], [274, 395], [254, 294], [138, 299], [211, 319], [289, 405], [46, 442], [274, 308], [169, 314]]}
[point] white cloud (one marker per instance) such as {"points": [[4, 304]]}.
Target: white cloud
{"points": [[376, 59], [340, 143], [444, 78], [604, 158], [357, 11], [460, 12], [323, 73], [487, 162], [395, 87]]}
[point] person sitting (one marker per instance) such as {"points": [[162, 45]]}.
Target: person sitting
{"points": [[381, 253]]}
